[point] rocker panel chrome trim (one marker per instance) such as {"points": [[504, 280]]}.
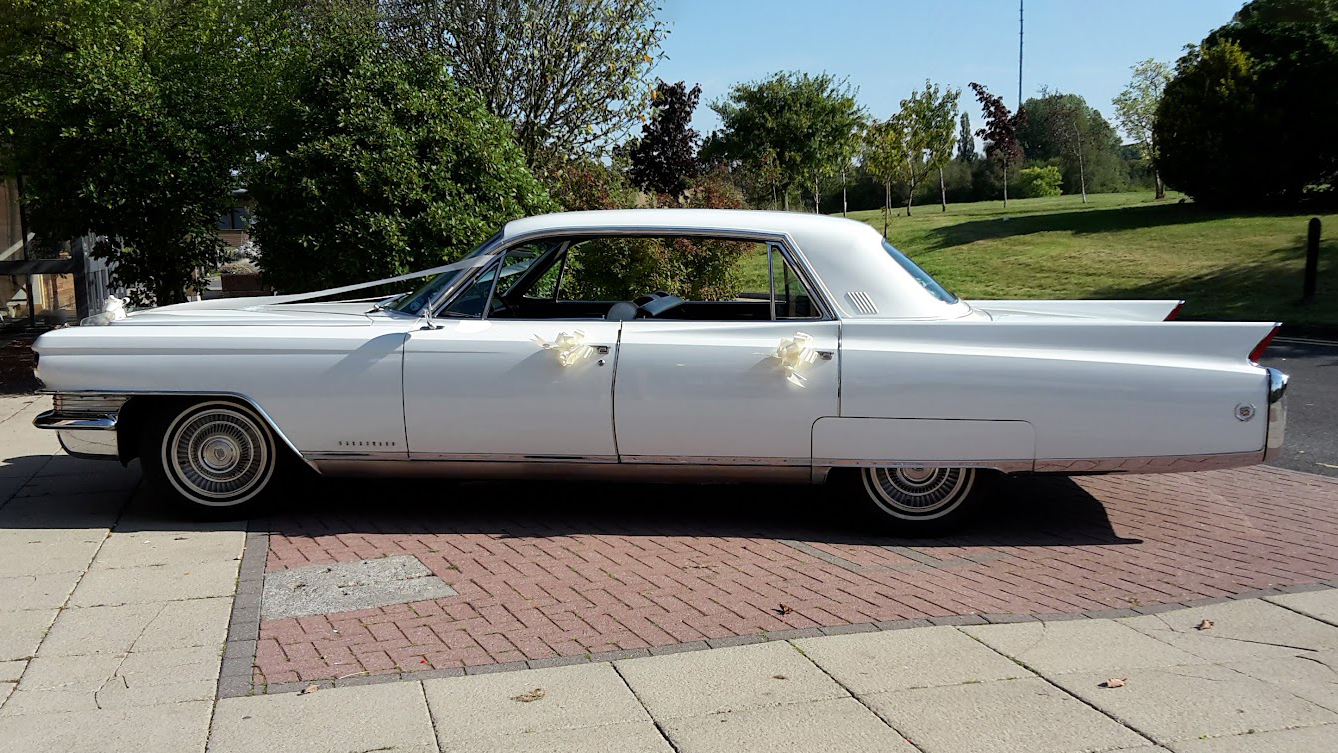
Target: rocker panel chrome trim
{"points": [[525, 470]]}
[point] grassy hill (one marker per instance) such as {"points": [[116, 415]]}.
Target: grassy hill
{"points": [[1240, 266]]}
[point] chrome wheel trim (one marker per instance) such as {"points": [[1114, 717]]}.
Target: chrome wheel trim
{"points": [[918, 493], [218, 454]]}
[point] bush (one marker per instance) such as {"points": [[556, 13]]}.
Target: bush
{"points": [[377, 165], [1035, 182]]}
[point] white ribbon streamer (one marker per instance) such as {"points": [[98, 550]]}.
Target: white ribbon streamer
{"points": [[570, 347], [795, 354]]}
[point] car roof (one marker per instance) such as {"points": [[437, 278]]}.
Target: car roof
{"points": [[846, 256]]}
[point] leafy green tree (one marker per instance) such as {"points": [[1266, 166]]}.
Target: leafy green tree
{"points": [[128, 119], [375, 164], [966, 141], [802, 124], [571, 77], [1254, 105], [1037, 182], [664, 159], [1000, 132], [932, 115], [1063, 127], [1136, 111], [888, 158]]}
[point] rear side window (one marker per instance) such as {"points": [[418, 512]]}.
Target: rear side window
{"points": [[921, 276]]}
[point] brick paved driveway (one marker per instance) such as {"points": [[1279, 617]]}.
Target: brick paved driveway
{"points": [[557, 570]]}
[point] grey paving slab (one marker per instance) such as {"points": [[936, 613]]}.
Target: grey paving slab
{"points": [[840, 724], [533, 700], [384, 718], [141, 627], [71, 512], [1027, 715], [6, 688], [169, 548], [46, 591], [347, 586], [1078, 645], [901, 659], [631, 737], [1300, 740], [1241, 630], [10, 670], [173, 728], [110, 478], [87, 683], [1185, 703], [138, 585], [1312, 676], [727, 679], [1322, 605], [22, 631], [33, 552]]}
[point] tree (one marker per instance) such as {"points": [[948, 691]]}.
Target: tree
{"points": [[128, 120], [1208, 129], [966, 141], [664, 160], [1136, 111], [374, 164], [1000, 132], [571, 77], [887, 157], [801, 123], [1065, 120], [933, 115], [1037, 182], [1255, 104]]}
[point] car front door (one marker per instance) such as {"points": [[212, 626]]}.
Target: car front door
{"points": [[479, 388], [729, 392]]}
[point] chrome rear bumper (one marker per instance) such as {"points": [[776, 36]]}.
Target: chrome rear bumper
{"points": [[1277, 413]]}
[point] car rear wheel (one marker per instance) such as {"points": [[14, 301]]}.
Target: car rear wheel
{"points": [[214, 458], [920, 501]]}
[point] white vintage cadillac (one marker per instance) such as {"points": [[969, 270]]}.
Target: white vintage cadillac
{"points": [[851, 365]]}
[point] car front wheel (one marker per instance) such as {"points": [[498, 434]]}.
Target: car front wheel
{"points": [[214, 458], [919, 501]]}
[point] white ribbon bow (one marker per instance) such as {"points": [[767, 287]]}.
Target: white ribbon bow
{"points": [[570, 347], [795, 354]]}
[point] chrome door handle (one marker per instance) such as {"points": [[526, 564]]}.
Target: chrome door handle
{"points": [[603, 350]]}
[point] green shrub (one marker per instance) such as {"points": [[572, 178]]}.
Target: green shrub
{"points": [[1035, 182]]}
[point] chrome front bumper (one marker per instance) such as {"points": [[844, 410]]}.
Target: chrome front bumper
{"points": [[1277, 413], [85, 425]]}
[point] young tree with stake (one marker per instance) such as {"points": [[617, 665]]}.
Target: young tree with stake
{"points": [[1000, 132]]}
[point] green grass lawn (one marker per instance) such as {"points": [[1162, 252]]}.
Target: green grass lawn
{"points": [[1241, 266]]}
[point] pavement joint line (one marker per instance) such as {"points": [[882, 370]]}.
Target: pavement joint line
{"points": [[1334, 623], [1152, 741], [857, 698], [658, 727], [436, 737]]}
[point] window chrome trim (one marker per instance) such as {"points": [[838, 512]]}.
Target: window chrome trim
{"points": [[821, 296]]}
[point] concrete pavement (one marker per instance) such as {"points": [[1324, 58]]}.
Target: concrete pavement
{"points": [[113, 622]]}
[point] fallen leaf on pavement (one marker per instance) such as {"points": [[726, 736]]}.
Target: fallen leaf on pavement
{"points": [[782, 609], [1205, 625], [531, 696], [309, 689], [1114, 682]]}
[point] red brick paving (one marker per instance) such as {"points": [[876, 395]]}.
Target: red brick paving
{"points": [[563, 570]]}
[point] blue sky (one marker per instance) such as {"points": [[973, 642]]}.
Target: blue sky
{"points": [[888, 48]]}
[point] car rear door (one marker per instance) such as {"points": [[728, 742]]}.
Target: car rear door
{"points": [[738, 392]]}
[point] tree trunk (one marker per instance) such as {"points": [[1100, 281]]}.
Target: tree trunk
{"points": [[844, 203], [942, 190], [909, 199], [817, 199], [1005, 167], [785, 196], [1161, 187], [1082, 175], [887, 205]]}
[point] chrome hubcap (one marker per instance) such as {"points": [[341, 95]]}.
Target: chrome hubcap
{"points": [[218, 456], [919, 492]]}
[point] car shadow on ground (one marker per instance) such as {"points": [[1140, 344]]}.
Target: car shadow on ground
{"points": [[1024, 511]]}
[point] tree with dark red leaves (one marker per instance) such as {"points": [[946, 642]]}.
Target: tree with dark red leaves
{"points": [[1000, 132], [664, 161]]}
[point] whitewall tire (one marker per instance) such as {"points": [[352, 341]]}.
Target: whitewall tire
{"points": [[214, 457], [919, 501]]}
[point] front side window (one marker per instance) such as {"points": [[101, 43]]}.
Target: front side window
{"points": [[921, 276], [792, 298]]}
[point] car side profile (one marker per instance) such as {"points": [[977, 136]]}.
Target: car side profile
{"points": [[849, 364]]}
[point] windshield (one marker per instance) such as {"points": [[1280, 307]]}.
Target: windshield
{"points": [[414, 302], [921, 276]]}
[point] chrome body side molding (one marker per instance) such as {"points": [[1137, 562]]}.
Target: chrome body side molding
{"points": [[504, 470], [1155, 464]]}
